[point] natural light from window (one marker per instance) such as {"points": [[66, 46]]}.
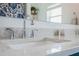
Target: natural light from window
{"points": [[54, 13]]}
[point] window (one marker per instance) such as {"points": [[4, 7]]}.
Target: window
{"points": [[54, 13]]}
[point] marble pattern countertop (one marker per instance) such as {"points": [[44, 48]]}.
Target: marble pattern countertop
{"points": [[22, 47]]}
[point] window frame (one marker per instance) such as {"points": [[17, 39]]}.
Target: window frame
{"points": [[52, 7]]}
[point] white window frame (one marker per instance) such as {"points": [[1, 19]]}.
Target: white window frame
{"points": [[52, 7]]}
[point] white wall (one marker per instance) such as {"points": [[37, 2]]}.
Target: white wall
{"points": [[11, 22], [16, 22], [68, 17], [42, 10], [68, 10]]}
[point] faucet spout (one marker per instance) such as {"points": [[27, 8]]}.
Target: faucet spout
{"points": [[32, 35], [32, 22], [11, 33]]}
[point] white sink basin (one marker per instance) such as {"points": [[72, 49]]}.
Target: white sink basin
{"points": [[55, 40]]}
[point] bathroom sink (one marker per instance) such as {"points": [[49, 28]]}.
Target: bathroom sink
{"points": [[55, 40]]}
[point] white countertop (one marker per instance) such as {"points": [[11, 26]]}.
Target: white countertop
{"points": [[23, 47]]}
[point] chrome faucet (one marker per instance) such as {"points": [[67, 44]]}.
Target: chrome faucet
{"points": [[11, 33], [32, 35], [32, 22]]}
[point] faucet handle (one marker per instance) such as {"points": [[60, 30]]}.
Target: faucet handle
{"points": [[11, 32], [8, 29]]}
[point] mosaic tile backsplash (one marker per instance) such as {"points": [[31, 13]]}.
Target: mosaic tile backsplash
{"points": [[15, 10]]}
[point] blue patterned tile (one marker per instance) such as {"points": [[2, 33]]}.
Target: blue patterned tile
{"points": [[16, 10]]}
